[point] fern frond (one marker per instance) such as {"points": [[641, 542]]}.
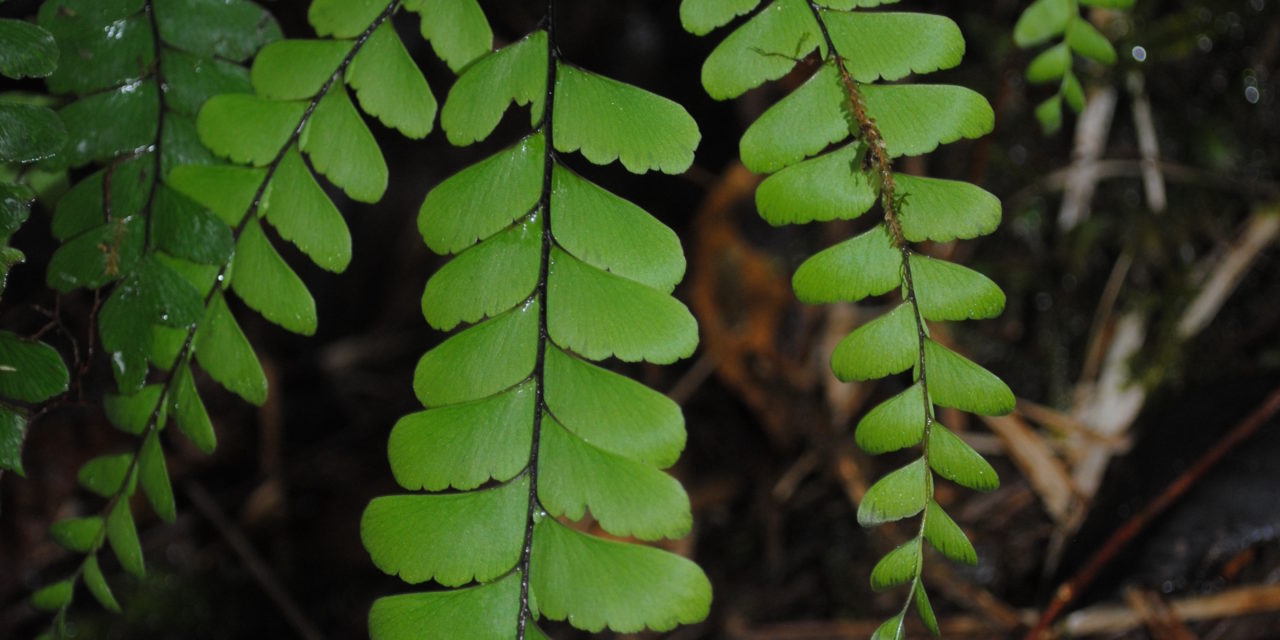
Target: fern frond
{"points": [[841, 104], [1046, 20], [30, 371], [551, 273], [177, 231], [138, 71]]}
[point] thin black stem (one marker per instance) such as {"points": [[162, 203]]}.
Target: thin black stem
{"points": [[157, 148], [539, 367]]}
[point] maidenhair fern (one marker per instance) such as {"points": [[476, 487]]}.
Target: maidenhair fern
{"points": [[522, 434], [138, 71], [30, 372], [176, 230], [843, 103], [1045, 20]]}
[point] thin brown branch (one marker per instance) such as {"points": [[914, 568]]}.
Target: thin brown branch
{"points": [[1071, 589], [253, 562], [1117, 619]]}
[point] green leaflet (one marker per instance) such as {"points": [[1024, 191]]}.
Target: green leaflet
{"points": [[626, 497], [798, 126], [342, 148], [480, 360], [452, 538], [948, 291], [97, 584], [600, 315], [955, 381], [1049, 113], [901, 494], [845, 5], [480, 200], [610, 233], [946, 536], [181, 143], [390, 86], [30, 371], [301, 213], [613, 412], [123, 536], [1041, 21], [483, 612], [83, 16], [266, 283], [765, 48], [30, 132], [343, 18], [828, 187], [247, 129], [226, 191], [153, 475], [81, 208], [457, 30], [225, 354], [77, 534], [607, 120], [1086, 40], [105, 475], [186, 230], [916, 118], [890, 46], [516, 73], [597, 583], [945, 210], [700, 17], [956, 461], [228, 29], [884, 346], [131, 413], [26, 50], [13, 430], [153, 294], [92, 60], [509, 260], [54, 596], [894, 424], [15, 209], [865, 265], [464, 445], [189, 413], [1050, 65], [898, 566], [1073, 92], [124, 324], [891, 629], [133, 111], [926, 610], [296, 69]]}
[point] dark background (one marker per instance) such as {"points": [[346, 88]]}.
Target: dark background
{"points": [[769, 462]]}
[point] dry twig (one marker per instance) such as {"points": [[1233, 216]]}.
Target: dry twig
{"points": [[1121, 538]]}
